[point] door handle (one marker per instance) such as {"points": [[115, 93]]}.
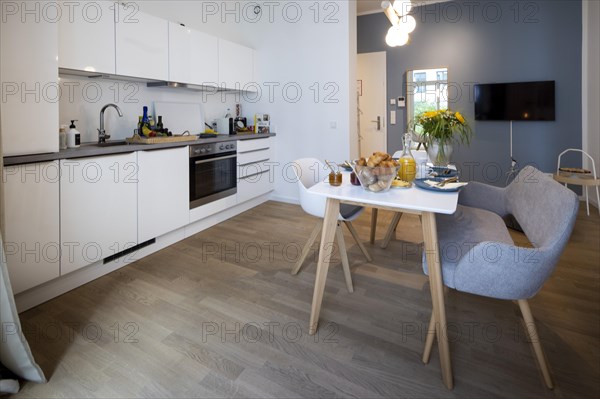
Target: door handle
{"points": [[378, 121]]}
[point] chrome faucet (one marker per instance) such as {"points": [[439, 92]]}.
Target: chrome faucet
{"points": [[102, 136]]}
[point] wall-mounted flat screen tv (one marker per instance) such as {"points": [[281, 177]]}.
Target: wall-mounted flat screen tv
{"points": [[520, 101]]}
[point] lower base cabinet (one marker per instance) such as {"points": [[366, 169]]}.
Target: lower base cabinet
{"points": [[98, 208], [31, 197], [163, 192], [255, 169]]}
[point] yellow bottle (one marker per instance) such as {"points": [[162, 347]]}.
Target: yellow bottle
{"points": [[408, 165]]}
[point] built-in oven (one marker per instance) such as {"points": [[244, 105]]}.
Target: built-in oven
{"points": [[213, 172]]}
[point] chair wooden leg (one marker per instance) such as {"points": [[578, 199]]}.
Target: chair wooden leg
{"points": [[391, 229], [357, 239], [429, 339], [535, 341], [374, 212], [309, 243], [344, 255]]}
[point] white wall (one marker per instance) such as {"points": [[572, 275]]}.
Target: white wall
{"points": [[296, 49], [591, 83]]}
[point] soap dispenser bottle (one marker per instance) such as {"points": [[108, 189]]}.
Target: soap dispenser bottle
{"points": [[73, 136]]}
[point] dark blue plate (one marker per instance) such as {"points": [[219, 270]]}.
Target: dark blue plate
{"points": [[443, 172], [345, 167], [421, 184]]}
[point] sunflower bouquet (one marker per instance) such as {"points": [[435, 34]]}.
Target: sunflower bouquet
{"points": [[438, 130]]}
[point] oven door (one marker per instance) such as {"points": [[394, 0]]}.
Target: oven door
{"points": [[212, 178]]}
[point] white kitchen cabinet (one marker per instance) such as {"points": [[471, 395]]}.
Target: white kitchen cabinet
{"points": [[192, 56], [163, 192], [29, 76], [32, 224], [255, 172], [86, 36], [142, 44], [98, 208], [236, 65]]}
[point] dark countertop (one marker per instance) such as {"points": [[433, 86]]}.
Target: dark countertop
{"points": [[93, 150]]}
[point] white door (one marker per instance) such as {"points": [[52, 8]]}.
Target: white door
{"points": [[371, 75]]}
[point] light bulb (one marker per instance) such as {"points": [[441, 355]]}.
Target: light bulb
{"points": [[396, 37], [407, 24], [402, 7]]}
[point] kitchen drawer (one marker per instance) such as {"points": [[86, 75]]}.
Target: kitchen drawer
{"points": [[253, 168], [254, 185], [249, 157], [252, 145]]}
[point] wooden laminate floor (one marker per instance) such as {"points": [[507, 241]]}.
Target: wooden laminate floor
{"points": [[219, 315]]}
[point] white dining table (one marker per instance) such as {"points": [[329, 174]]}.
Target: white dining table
{"points": [[425, 203]]}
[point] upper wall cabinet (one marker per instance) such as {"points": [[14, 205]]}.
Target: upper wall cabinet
{"points": [[192, 56], [86, 36], [236, 62], [29, 76], [142, 43]]}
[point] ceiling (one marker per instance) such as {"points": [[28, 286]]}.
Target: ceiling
{"points": [[372, 6]]}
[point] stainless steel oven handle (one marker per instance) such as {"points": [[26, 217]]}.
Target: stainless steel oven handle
{"points": [[215, 159]]}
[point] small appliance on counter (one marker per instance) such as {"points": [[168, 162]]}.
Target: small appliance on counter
{"points": [[225, 126], [240, 124]]}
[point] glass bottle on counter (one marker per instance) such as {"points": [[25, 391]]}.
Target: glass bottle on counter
{"points": [[145, 116], [408, 165], [159, 124]]}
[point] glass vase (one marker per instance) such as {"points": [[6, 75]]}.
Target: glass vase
{"points": [[439, 155]]}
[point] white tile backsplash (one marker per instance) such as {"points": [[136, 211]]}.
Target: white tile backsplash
{"points": [[82, 98]]}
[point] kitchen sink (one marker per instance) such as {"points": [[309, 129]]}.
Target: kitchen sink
{"points": [[110, 143]]}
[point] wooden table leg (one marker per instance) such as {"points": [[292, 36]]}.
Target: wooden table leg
{"points": [[436, 287], [373, 224], [332, 210]]}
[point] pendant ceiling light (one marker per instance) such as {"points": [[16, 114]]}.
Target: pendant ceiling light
{"points": [[402, 23]]}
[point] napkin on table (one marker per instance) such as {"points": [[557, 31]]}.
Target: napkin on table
{"points": [[447, 186]]}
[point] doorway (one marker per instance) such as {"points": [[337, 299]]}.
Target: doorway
{"points": [[371, 86]]}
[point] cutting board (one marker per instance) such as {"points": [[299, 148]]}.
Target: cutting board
{"points": [[179, 117]]}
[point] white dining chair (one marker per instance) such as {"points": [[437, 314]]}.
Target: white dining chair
{"points": [[310, 171]]}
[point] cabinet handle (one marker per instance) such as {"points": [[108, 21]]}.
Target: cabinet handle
{"points": [[255, 174], [251, 151], [250, 163]]}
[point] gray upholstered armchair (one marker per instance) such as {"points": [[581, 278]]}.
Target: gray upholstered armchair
{"points": [[478, 255]]}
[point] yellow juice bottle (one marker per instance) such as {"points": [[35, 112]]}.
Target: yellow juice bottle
{"points": [[408, 169], [408, 165]]}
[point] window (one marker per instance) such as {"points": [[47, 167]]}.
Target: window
{"points": [[420, 77], [427, 90]]}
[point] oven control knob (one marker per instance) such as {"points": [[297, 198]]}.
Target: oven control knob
{"points": [[221, 147]]}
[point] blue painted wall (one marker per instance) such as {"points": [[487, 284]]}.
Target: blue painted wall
{"points": [[485, 42]]}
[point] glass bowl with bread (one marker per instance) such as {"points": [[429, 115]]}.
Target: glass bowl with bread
{"points": [[377, 172]]}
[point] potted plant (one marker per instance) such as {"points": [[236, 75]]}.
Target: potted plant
{"points": [[439, 129]]}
